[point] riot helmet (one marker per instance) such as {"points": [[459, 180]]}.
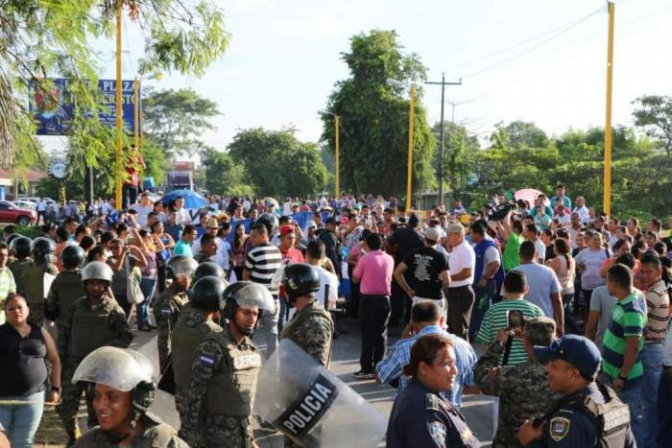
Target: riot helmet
{"points": [[246, 295], [300, 279], [72, 256], [207, 269], [180, 266], [207, 292], [97, 270], [270, 220], [21, 246], [42, 248]]}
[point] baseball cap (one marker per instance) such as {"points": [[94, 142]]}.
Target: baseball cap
{"points": [[284, 230], [331, 220], [578, 351], [455, 228], [432, 234]]}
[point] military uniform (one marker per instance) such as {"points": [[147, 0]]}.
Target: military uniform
{"points": [[31, 286], [86, 328], [167, 308], [190, 331], [155, 434], [65, 290], [568, 424], [423, 419], [221, 392], [312, 329], [523, 391], [16, 266]]}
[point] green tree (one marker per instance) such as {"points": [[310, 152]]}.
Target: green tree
{"points": [[654, 115], [277, 164], [460, 150], [518, 135], [43, 39], [375, 118], [176, 118], [223, 176]]}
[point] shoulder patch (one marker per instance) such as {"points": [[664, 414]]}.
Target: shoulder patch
{"points": [[431, 402], [207, 360], [558, 428], [166, 311], [437, 431]]}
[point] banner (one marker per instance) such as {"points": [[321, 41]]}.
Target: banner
{"points": [[53, 110]]}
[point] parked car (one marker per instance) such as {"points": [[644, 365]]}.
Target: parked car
{"points": [[25, 204], [10, 213]]}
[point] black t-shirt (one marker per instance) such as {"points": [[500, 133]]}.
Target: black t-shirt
{"points": [[24, 370], [406, 239], [424, 272]]}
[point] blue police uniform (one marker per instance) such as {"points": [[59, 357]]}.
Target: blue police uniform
{"points": [[423, 419], [572, 428]]}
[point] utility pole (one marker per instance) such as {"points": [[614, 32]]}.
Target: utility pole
{"points": [[443, 84], [607, 126]]}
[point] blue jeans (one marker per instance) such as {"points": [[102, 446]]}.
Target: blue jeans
{"points": [[147, 285], [651, 356], [22, 420], [481, 306], [631, 395], [665, 410]]}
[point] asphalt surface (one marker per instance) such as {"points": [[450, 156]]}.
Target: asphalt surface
{"points": [[477, 409]]}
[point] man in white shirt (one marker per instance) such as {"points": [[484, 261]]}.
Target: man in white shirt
{"points": [[460, 294], [582, 210], [143, 207], [532, 233], [287, 207], [183, 216], [327, 295], [562, 216], [41, 209]]}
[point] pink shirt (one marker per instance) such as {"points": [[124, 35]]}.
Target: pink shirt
{"points": [[375, 273]]}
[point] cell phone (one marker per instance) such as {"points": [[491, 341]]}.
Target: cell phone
{"points": [[515, 319]]}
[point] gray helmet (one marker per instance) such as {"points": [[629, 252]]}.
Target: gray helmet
{"points": [[180, 266], [245, 295], [97, 270], [21, 246]]}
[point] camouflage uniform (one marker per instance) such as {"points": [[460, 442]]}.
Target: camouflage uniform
{"points": [[523, 391], [31, 286], [65, 290], [155, 434], [220, 397], [86, 328], [312, 330], [167, 308]]}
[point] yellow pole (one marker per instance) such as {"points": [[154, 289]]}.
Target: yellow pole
{"points": [[118, 158], [409, 189], [337, 182], [607, 126], [136, 115]]}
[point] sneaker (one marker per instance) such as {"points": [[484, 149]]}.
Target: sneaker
{"points": [[362, 375]]}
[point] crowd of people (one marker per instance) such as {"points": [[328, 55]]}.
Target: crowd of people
{"points": [[221, 285]]}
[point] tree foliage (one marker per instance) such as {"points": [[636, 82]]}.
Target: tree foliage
{"points": [[176, 118], [375, 118], [277, 164], [654, 115], [223, 176], [459, 155], [518, 135]]}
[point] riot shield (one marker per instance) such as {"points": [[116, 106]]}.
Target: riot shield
{"points": [[313, 407]]}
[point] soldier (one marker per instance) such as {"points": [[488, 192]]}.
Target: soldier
{"points": [[31, 284], [206, 269], [93, 321], [224, 373], [20, 251], [67, 286], [195, 323], [522, 389], [123, 390], [587, 415], [168, 305]]}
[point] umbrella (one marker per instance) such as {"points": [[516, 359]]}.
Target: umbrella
{"points": [[527, 194], [191, 198]]}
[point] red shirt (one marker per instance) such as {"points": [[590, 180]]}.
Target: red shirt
{"points": [[292, 254]]}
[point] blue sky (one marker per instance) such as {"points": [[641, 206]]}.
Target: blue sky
{"points": [[284, 59]]}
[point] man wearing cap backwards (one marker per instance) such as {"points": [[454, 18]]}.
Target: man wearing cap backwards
{"points": [[222, 387], [427, 271], [93, 321], [574, 362], [522, 389]]}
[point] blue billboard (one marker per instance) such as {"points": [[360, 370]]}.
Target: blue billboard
{"points": [[53, 110]]}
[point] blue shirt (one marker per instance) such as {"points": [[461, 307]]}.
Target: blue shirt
{"points": [[399, 355], [183, 248]]}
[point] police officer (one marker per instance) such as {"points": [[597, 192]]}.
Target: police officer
{"points": [[19, 249], [93, 321], [421, 417], [224, 374], [207, 269], [168, 304], [311, 328], [67, 286], [195, 323], [575, 420], [31, 285], [123, 390]]}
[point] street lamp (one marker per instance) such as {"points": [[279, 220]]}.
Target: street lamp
{"points": [[409, 182], [337, 182]]}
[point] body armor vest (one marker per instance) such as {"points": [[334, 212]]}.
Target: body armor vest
{"points": [[185, 340], [90, 327]]}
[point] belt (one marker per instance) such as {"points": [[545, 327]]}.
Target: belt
{"points": [[459, 287]]}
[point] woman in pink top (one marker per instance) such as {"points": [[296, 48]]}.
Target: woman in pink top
{"points": [[565, 268]]}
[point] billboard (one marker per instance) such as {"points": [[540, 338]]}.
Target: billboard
{"points": [[53, 110]]}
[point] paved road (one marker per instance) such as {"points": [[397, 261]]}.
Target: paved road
{"points": [[477, 409]]}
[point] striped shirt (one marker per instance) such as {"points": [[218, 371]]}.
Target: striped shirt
{"points": [[658, 306], [7, 285], [262, 262], [399, 355], [628, 319], [496, 319]]}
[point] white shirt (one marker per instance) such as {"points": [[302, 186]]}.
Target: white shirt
{"points": [[541, 250], [183, 216], [462, 257], [583, 213], [141, 217], [327, 278], [41, 206], [222, 255], [564, 220]]}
